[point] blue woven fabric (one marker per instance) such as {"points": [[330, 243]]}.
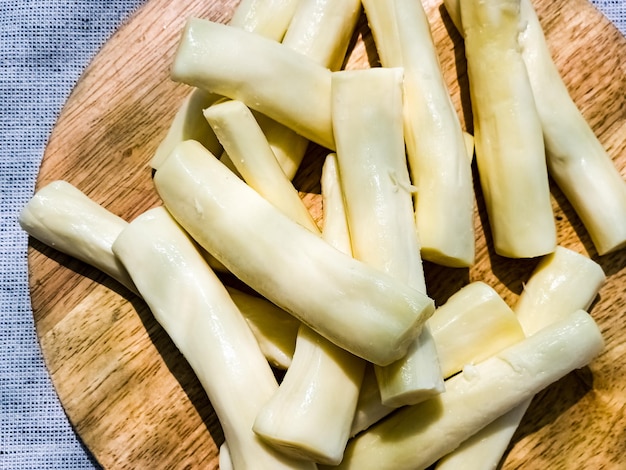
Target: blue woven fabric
{"points": [[615, 11], [44, 47]]}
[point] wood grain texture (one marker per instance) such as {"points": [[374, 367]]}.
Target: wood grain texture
{"points": [[131, 396]]}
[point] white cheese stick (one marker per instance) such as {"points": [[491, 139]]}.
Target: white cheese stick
{"points": [[272, 19], [249, 151], [64, 218], [312, 412], [335, 228], [367, 119], [269, 18], [414, 377], [367, 122], [416, 436], [576, 159], [267, 76], [194, 308], [320, 30], [509, 142], [357, 307], [288, 146], [225, 462], [369, 407], [435, 142], [562, 282], [484, 449]]}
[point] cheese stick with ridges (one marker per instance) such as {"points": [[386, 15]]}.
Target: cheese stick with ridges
{"points": [[286, 263]]}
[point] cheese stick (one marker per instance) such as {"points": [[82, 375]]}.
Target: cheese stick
{"points": [[353, 305], [267, 76], [194, 308], [510, 151], [416, 436], [64, 218]]}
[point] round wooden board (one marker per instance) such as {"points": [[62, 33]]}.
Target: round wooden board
{"points": [[131, 396]]}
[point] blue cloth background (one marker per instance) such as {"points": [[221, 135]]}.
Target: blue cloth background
{"points": [[44, 47]]}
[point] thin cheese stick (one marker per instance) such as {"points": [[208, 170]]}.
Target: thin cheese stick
{"points": [[64, 218], [274, 329], [322, 29], [187, 125], [251, 154], [267, 18]]}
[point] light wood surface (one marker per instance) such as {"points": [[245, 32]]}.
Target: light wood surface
{"points": [[130, 395]]}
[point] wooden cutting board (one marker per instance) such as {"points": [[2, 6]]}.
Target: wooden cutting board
{"points": [[130, 395]]}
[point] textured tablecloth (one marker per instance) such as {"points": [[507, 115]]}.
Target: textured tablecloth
{"points": [[44, 47]]}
